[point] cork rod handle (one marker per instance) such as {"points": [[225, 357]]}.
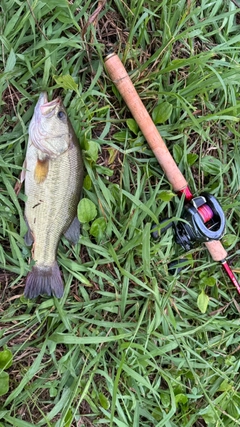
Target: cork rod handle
{"points": [[122, 81], [216, 250]]}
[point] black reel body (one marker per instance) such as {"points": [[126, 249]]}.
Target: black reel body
{"points": [[195, 229], [202, 220]]}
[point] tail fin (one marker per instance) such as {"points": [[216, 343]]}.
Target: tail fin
{"points": [[44, 280]]}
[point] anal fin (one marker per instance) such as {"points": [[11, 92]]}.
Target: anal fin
{"points": [[72, 234], [28, 238]]}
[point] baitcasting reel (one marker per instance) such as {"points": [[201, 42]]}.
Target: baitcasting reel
{"points": [[203, 221]]}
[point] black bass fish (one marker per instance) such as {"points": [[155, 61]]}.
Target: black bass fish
{"points": [[53, 173]]}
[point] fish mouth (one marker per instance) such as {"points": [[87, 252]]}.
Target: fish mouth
{"points": [[43, 129], [47, 108]]}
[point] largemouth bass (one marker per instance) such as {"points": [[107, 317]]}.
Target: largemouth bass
{"points": [[53, 184]]}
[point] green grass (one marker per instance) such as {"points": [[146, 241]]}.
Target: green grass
{"points": [[127, 345]]}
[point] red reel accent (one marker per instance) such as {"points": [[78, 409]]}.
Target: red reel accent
{"points": [[205, 211], [187, 193]]}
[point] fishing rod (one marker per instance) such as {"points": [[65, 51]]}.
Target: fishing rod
{"points": [[204, 219]]}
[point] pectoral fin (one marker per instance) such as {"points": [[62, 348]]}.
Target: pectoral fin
{"points": [[28, 238], [18, 184], [23, 173], [73, 232], [41, 170]]}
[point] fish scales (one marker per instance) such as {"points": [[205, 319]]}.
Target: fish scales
{"points": [[53, 183], [50, 205]]}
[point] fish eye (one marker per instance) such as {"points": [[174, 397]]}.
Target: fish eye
{"points": [[61, 115]]}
